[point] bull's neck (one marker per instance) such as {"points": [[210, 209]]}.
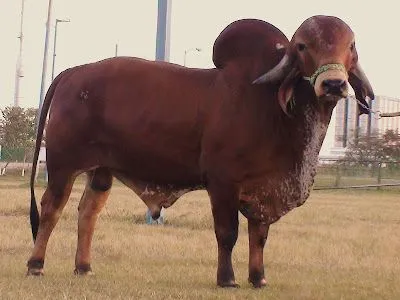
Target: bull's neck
{"points": [[288, 185], [309, 129]]}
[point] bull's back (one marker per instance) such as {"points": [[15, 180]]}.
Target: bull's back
{"points": [[132, 114]]}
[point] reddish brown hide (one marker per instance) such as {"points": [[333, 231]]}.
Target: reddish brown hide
{"points": [[164, 130]]}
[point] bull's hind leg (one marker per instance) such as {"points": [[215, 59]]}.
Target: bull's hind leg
{"points": [[258, 234], [53, 201], [225, 204], [92, 201]]}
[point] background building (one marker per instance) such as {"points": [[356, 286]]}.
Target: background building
{"points": [[348, 126]]}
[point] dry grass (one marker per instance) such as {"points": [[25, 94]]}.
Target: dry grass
{"points": [[339, 245]]}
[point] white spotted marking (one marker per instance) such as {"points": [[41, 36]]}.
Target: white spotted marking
{"points": [[84, 95], [279, 46], [282, 193], [147, 192]]}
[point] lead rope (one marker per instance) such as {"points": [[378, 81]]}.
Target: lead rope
{"points": [[371, 111], [379, 114]]}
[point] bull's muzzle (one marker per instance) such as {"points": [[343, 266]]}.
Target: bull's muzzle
{"points": [[334, 86], [330, 80]]}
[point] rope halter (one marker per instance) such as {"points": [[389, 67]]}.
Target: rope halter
{"points": [[323, 69]]}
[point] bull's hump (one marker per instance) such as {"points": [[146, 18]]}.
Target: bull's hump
{"points": [[248, 38]]}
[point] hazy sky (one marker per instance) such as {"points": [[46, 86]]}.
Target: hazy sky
{"points": [[96, 26]]}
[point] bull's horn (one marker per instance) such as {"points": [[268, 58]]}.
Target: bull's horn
{"points": [[276, 74], [358, 72]]}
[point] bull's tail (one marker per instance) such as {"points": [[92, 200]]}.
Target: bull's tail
{"points": [[34, 213]]}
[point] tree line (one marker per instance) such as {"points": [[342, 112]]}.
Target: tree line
{"points": [[376, 148], [17, 134]]}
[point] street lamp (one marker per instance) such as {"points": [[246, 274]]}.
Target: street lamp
{"points": [[187, 51], [55, 44]]}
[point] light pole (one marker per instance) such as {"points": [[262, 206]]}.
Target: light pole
{"points": [[163, 35], [116, 50], [44, 67], [55, 44], [187, 51], [18, 72]]}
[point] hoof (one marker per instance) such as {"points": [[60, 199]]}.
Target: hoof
{"points": [[83, 273], [84, 270], [35, 272], [228, 284], [258, 283], [35, 267]]}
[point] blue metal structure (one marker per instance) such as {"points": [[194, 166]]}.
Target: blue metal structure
{"points": [[162, 53], [163, 30]]}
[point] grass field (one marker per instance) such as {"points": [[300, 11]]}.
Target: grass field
{"points": [[339, 245]]}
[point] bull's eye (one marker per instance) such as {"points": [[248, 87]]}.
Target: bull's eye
{"points": [[301, 47]]}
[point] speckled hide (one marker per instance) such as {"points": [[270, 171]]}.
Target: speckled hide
{"points": [[270, 198]]}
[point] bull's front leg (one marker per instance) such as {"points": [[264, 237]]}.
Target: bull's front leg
{"points": [[258, 234], [224, 204]]}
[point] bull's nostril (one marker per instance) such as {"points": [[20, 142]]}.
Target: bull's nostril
{"points": [[334, 85]]}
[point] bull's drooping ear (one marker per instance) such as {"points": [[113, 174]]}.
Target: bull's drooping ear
{"points": [[361, 86], [286, 89]]}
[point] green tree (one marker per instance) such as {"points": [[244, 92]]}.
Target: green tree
{"points": [[369, 152], [384, 148], [17, 132], [391, 145]]}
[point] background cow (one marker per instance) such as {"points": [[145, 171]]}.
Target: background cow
{"points": [[249, 131]]}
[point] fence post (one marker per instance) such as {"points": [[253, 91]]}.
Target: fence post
{"points": [[379, 175], [337, 179]]}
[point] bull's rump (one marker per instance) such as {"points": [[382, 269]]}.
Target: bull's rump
{"points": [[129, 114]]}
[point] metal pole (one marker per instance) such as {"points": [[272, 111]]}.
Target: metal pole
{"points": [[345, 122], [54, 51], [18, 71], [163, 30], [44, 68], [45, 55], [337, 179], [55, 46], [394, 114], [379, 179], [357, 126], [369, 124]]}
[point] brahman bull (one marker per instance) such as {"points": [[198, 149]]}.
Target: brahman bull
{"points": [[249, 131]]}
